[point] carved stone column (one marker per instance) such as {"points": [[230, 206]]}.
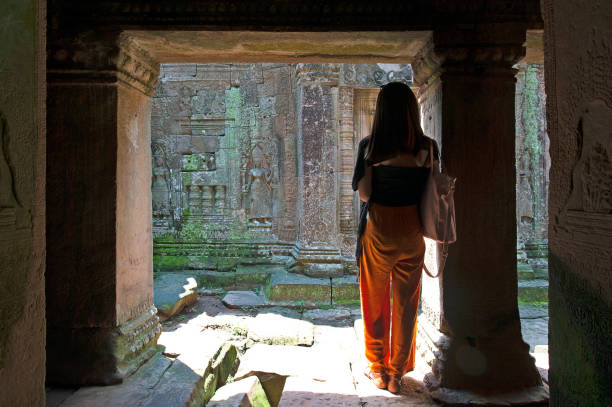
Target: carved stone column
{"points": [[318, 250], [101, 322], [473, 328]]}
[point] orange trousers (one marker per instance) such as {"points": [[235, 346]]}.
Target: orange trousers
{"points": [[393, 251]]}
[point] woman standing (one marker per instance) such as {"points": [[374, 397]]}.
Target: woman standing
{"points": [[390, 175]]}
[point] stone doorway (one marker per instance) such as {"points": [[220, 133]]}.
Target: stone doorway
{"points": [[314, 243]]}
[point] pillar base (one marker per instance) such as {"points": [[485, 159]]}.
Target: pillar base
{"points": [[99, 355], [530, 396], [319, 262], [500, 372]]}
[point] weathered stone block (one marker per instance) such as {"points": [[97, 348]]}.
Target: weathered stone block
{"points": [[243, 393], [205, 144], [533, 291], [525, 272], [293, 287], [224, 363], [239, 299], [193, 377], [234, 280], [345, 289], [173, 292]]}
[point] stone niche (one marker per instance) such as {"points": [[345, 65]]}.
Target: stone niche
{"points": [[225, 163]]}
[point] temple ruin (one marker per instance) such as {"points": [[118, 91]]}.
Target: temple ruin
{"points": [[80, 185], [230, 153]]}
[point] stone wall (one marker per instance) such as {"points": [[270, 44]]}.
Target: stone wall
{"points": [[241, 153], [22, 197], [579, 112], [532, 167], [225, 163]]}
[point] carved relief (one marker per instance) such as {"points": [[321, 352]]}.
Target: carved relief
{"points": [[375, 74], [184, 101], [9, 206], [592, 185], [160, 184], [258, 189]]}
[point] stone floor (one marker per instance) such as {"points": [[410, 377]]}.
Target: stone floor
{"points": [[316, 352]]}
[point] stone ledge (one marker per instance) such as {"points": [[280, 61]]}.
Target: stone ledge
{"points": [[538, 395]]}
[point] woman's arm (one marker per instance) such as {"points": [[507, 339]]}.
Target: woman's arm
{"points": [[365, 185]]}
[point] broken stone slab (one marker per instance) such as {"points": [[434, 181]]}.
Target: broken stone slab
{"points": [[345, 290], [317, 364], [295, 287], [189, 337], [276, 329], [273, 385], [306, 392], [244, 393], [241, 299], [192, 379], [134, 391], [173, 292], [225, 363]]}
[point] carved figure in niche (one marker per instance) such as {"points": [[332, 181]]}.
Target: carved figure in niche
{"points": [[7, 196], [258, 187], [10, 209], [184, 104], [592, 185], [160, 191]]}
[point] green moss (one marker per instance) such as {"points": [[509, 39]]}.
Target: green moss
{"points": [[542, 304], [345, 292], [300, 292], [532, 294], [170, 262]]}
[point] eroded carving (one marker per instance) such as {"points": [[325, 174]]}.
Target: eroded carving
{"points": [[160, 187], [258, 189], [9, 206], [592, 185]]}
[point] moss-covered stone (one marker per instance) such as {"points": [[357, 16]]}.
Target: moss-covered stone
{"points": [[233, 280], [224, 363], [525, 272], [345, 290], [531, 291], [291, 287]]}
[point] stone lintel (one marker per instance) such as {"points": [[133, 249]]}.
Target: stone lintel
{"points": [[101, 355], [103, 58]]}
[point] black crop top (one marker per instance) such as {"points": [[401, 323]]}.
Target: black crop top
{"points": [[398, 186]]}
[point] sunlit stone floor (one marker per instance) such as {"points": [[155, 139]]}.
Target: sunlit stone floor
{"points": [[319, 350]]}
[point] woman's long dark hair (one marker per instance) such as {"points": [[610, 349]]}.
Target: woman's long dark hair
{"points": [[396, 126]]}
